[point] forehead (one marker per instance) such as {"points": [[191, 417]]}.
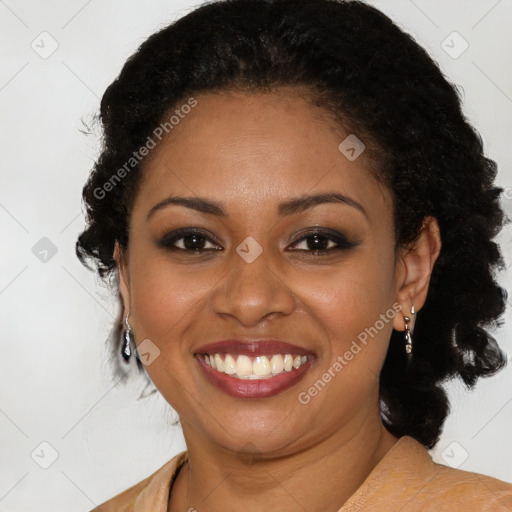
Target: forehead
{"points": [[248, 148]]}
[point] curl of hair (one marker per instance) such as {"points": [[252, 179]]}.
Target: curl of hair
{"points": [[374, 78]]}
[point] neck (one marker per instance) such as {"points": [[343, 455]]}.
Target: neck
{"points": [[321, 477]]}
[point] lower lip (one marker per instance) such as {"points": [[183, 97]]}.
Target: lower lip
{"points": [[257, 388]]}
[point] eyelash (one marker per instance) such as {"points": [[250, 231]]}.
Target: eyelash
{"points": [[167, 242]]}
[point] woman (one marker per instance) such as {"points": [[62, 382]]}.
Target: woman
{"points": [[301, 224]]}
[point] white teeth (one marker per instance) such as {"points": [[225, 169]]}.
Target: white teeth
{"points": [[259, 367], [277, 364], [243, 366], [219, 363], [229, 365]]}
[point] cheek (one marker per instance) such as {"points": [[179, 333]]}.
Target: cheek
{"points": [[348, 305], [164, 300], [354, 292], [165, 303]]}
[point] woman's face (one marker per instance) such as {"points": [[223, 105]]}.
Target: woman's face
{"points": [[257, 274]]}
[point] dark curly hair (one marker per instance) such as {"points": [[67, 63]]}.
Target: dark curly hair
{"points": [[374, 78]]}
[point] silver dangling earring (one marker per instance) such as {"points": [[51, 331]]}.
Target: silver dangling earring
{"points": [[127, 339], [408, 337]]}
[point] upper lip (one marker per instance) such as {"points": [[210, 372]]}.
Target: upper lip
{"points": [[252, 346]]}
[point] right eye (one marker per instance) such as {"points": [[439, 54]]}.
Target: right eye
{"points": [[190, 240]]}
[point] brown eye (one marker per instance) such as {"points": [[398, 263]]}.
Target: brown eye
{"points": [[322, 242], [191, 240]]}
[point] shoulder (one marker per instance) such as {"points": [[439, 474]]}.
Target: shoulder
{"points": [[150, 494], [448, 488], [408, 479], [482, 492], [124, 499]]}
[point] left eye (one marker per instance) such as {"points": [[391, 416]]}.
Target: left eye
{"points": [[323, 242]]}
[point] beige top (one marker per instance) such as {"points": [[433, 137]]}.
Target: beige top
{"points": [[406, 479]]}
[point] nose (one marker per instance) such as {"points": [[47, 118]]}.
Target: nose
{"points": [[251, 292]]}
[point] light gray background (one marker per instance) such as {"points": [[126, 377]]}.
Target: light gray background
{"points": [[55, 315]]}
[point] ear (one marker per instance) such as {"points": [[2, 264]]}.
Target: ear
{"points": [[124, 282], [415, 269]]}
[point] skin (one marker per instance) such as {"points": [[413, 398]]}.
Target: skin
{"points": [[249, 153]]}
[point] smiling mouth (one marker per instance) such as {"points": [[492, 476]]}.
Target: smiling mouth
{"points": [[259, 377], [253, 367], [259, 367]]}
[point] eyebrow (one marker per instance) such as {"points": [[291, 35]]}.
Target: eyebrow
{"points": [[286, 208]]}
